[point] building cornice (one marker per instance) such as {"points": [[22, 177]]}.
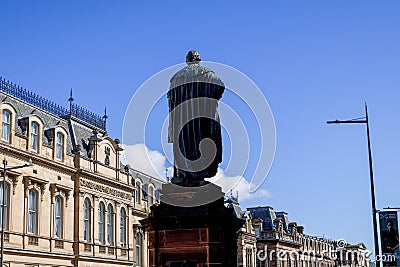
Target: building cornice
{"points": [[36, 159]]}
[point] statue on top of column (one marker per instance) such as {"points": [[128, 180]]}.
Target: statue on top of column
{"points": [[194, 127]]}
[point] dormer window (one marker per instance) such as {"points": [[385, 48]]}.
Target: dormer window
{"points": [[34, 140], [6, 125], [59, 146]]}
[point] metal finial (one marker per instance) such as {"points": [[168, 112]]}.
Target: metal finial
{"points": [[105, 117], [70, 99]]}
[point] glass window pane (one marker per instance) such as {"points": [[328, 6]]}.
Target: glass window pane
{"points": [[122, 227], [6, 128], [32, 211], [109, 224], [101, 222], [86, 219], [138, 249], [6, 195], [58, 217], [34, 136], [151, 195], [59, 146]]}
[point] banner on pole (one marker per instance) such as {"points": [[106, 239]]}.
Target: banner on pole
{"points": [[388, 222]]}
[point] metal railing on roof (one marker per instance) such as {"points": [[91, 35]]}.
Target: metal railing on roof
{"points": [[40, 102]]}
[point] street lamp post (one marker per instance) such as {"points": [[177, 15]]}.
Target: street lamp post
{"points": [[371, 173], [5, 169]]}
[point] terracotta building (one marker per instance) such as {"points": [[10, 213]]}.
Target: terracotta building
{"points": [[77, 205]]}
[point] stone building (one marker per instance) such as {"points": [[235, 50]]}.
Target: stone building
{"points": [[352, 255], [246, 242], [282, 243], [77, 205]]}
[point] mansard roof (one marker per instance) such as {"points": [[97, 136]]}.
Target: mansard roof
{"points": [[77, 121]]}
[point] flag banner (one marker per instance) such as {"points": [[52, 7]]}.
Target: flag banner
{"points": [[389, 233]]}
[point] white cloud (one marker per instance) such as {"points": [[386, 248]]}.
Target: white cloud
{"points": [[239, 184], [152, 162], [141, 158]]}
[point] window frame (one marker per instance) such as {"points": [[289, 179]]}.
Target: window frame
{"points": [[110, 225], [60, 217], [59, 146], [150, 195], [10, 116], [101, 222], [122, 227], [87, 220], [139, 248], [7, 205], [145, 194], [33, 212], [138, 195], [34, 136]]}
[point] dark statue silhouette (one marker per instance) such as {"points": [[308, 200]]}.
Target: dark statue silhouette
{"points": [[194, 127]]}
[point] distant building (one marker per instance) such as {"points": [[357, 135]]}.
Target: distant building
{"points": [[281, 243], [351, 255], [78, 205], [246, 242]]}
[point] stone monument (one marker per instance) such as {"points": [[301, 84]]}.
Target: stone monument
{"points": [[191, 226]]}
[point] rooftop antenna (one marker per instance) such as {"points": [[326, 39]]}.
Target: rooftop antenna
{"points": [[70, 99]]}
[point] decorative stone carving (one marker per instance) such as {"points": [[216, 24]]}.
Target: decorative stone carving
{"points": [[105, 189], [40, 184], [63, 190]]}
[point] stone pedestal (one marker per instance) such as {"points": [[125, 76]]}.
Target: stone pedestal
{"points": [[200, 236]]}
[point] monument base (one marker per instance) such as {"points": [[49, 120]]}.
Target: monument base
{"points": [[200, 236]]}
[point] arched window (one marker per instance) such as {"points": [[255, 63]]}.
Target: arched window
{"points": [[32, 211], [138, 190], [101, 222], [6, 195], [34, 136], [144, 191], [122, 227], [110, 224], [139, 249], [6, 125], [58, 219], [86, 220], [151, 196], [59, 146]]}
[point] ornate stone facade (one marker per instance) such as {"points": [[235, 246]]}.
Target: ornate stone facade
{"points": [[246, 243], [77, 205], [281, 243]]}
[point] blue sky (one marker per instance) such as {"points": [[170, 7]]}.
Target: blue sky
{"points": [[313, 60]]}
